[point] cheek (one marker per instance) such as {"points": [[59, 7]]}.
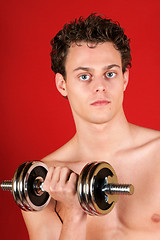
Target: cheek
{"points": [[76, 91], [116, 89], [75, 98], [117, 93]]}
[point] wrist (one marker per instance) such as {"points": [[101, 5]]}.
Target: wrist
{"points": [[75, 215]]}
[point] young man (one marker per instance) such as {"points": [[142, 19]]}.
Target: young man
{"points": [[91, 59]]}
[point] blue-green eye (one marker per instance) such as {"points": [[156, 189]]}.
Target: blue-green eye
{"points": [[84, 77], [110, 74]]}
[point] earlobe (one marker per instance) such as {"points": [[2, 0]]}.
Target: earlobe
{"points": [[61, 84], [126, 78]]}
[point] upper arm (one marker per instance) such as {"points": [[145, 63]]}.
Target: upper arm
{"points": [[43, 224]]}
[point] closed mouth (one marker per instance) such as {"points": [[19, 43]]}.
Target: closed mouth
{"points": [[100, 103]]}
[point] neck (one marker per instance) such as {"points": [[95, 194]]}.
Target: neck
{"points": [[103, 140]]}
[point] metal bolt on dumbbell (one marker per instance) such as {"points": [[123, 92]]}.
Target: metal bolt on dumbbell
{"points": [[6, 185], [97, 187]]}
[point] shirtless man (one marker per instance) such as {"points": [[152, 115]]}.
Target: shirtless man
{"points": [[91, 59]]}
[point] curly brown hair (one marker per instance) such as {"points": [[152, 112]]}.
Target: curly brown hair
{"points": [[94, 29]]}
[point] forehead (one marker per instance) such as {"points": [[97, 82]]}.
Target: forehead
{"points": [[97, 56]]}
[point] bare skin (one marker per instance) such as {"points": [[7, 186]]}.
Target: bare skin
{"points": [[95, 86]]}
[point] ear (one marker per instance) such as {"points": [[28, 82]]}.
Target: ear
{"points": [[61, 84], [126, 78]]}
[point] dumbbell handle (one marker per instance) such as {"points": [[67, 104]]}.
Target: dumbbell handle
{"points": [[115, 189]]}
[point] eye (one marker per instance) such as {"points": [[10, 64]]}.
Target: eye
{"points": [[110, 74], [85, 77]]}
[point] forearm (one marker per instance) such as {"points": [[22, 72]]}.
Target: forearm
{"points": [[61, 184], [74, 227]]}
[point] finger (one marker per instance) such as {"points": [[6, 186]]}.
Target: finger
{"points": [[55, 178], [64, 175], [71, 185], [46, 184], [73, 178]]}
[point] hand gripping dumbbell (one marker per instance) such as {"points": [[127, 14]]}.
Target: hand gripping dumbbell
{"points": [[97, 187]]}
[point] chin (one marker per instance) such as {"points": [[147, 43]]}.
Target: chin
{"points": [[100, 120]]}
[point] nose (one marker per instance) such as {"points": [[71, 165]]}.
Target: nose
{"points": [[100, 85]]}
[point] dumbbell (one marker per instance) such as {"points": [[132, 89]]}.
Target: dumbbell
{"points": [[97, 187]]}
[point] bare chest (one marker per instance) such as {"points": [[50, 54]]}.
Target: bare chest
{"points": [[124, 223]]}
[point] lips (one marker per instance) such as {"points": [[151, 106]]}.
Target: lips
{"points": [[100, 103]]}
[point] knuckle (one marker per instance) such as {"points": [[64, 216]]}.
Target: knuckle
{"points": [[52, 189], [73, 177], [73, 174], [65, 170]]}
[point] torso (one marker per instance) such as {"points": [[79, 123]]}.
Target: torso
{"points": [[135, 217]]}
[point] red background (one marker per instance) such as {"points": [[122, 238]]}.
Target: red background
{"points": [[35, 119]]}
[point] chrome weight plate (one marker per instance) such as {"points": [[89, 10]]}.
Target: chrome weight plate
{"points": [[81, 188], [101, 174], [15, 186], [31, 200]]}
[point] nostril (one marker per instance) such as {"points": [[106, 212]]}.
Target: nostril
{"points": [[100, 89]]}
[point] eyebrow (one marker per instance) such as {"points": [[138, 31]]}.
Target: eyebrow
{"points": [[87, 68], [111, 66]]}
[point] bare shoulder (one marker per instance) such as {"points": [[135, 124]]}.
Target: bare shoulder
{"points": [[145, 136], [63, 156]]}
